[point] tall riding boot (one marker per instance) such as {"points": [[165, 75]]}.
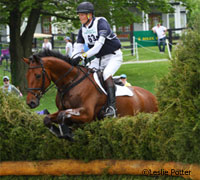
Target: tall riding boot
{"points": [[110, 88]]}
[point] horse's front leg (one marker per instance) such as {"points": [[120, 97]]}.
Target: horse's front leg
{"points": [[76, 115], [49, 121]]}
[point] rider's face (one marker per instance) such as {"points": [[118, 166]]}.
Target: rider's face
{"points": [[83, 17]]}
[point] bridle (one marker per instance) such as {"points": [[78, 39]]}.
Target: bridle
{"points": [[42, 88]]}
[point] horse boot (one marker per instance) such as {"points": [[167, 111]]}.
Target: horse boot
{"points": [[65, 132], [54, 130], [111, 102]]}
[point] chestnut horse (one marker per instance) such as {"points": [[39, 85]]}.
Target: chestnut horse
{"points": [[79, 99]]}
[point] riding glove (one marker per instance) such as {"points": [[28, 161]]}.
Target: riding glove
{"points": [[76, 60]]}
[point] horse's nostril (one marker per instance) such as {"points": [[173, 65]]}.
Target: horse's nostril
{"points": [[32, 104]]}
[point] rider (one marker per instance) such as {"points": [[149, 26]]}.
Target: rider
{"points": [[103, 44]]}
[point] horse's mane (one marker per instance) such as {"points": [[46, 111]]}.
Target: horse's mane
{"points": [[53, 53]]}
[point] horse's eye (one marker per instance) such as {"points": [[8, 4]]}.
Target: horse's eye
{"points": [[38, 76]]}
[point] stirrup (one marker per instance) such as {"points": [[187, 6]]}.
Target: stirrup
{"points": [[110, 112]]}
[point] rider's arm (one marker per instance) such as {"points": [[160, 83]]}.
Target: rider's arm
{"points": [[96, 48], [79, 45]]}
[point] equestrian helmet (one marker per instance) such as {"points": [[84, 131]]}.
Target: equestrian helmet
{"points": [[85, 7]]}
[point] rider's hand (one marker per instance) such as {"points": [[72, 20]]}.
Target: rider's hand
{"points": [[76, 60]]}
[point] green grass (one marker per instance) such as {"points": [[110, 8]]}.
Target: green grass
{"points": [[145, 53], [144, 74], [48, 101]]}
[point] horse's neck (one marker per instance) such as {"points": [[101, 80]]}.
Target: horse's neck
{"points": [[61, 72]]}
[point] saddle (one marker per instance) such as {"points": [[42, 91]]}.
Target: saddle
{"points": [[121, 90]]}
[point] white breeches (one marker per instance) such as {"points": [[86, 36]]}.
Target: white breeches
{"points": [[109, 64]]}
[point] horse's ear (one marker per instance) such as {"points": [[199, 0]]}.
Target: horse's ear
{"points": [[36, 58], [26, 60]]}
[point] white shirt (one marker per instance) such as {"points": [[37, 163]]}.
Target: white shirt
{"points": [[160, 31], [47, 46], [68, 49]]}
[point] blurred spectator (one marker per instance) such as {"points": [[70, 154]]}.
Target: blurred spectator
{"points": [[5, 54], [161, 33], [123, 78], [46, 44], [7, 87], [68, 47]]}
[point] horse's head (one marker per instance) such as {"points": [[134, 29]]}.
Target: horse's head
{"points": [[38, 80]]}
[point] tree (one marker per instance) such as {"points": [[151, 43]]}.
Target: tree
{"points": [[14, 13], [193, 15]]}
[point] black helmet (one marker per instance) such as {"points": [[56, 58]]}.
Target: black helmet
{"points": [[85, 7]]}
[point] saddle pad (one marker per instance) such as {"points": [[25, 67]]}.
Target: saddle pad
{"points": [[120, 91]]}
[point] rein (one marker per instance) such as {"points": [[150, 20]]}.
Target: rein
{"points": [[97, 87], [74, 83]]}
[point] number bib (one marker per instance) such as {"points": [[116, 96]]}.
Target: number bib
{"points": [[90, 34]]}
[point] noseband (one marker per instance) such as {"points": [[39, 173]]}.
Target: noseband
{"points": [[42, 88]]}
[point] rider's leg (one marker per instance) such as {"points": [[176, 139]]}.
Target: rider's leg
{"points": [[114, 62], [111, 102]]}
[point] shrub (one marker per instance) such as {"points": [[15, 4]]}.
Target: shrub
{"points": [[179, 102], [23, 135]]}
